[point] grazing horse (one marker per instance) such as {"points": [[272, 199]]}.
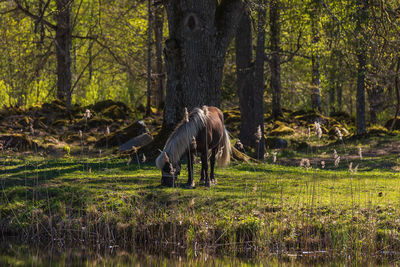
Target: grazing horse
{"points": [[200, 131]]}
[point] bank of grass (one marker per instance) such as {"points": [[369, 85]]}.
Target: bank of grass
{"points": [[254, 208]]}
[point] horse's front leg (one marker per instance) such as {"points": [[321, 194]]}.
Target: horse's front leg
{"points": [[204, 169], [190, 158], [212, 164]]}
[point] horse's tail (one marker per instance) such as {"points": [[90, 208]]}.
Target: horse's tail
{"points": [[224, 155]]}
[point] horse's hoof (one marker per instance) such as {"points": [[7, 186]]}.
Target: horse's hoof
{"points": [[189, 186], [202, 181], [208, 184]]}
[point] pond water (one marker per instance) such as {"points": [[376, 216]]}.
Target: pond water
{"points": [[13, 254]]}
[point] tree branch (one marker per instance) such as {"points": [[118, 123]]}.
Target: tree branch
{"points": [[8, 11], [36, 17], [76, 15], [293, 53], [86, 66], [41, 15]]}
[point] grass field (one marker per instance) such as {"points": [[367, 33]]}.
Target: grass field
{"points": [[255, 207]]}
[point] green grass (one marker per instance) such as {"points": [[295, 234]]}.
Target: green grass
{"points": [[254, 208]]}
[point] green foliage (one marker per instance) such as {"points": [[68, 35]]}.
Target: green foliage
{"points": [[109, 67], [110, 42]]}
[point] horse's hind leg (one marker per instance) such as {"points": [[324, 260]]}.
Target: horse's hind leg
{"points": [[212, 164], [204, 169]]}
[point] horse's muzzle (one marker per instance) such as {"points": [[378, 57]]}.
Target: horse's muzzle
{"points": [[168, 180]]}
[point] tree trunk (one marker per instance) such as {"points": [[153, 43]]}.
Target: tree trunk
{"points": [[316, 76], [158, 33], [332, 86], [275, 62], [332, 82], [63, 51], [259, 78], [360, 98], [149, 48], [199, 34], [396, 85], [376, 102], [245, 80], [339, 96], [361, 24]]}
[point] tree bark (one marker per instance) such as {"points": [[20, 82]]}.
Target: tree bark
{"points": [[63, 51], [362, 21], [158, 34], [245, 80], [259, 78], [396, 85], [360, 98], [376, 102], [332, 82], [199, 34], [332, 86], [339, 96], [316, 76], [275, 61], [149, 52]]}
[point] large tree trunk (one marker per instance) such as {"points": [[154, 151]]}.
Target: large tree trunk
{"points": [[158, 35], [259, 78], [63, 51], [199, 34], [275, 62], [245, 80]]}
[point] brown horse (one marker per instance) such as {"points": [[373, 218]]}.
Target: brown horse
{"points": [[200, 131]]}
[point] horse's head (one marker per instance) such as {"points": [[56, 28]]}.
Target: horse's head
{"points": [[169, 171]]}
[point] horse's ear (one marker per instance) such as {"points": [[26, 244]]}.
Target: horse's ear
{"points": [[186, 117], [166, 157], [205, 109]]}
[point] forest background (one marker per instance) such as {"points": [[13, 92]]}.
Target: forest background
{"points": [[331, 49]]}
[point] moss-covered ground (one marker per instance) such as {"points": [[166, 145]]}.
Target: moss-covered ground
{"points": [[255, 207]]}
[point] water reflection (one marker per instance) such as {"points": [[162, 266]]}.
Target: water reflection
{"points": [[13, 254]]}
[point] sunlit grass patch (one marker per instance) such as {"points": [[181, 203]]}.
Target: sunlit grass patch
{"points": [[258, 207]]}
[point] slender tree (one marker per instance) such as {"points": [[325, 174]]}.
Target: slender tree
{"points": [[62, 42], [149, 54], [158, 36], [245, 79], [315, 59], [275, 61], [259, 77], [361, 50]]}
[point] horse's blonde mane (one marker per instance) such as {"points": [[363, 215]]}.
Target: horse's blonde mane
{"points": [[181, 138]]}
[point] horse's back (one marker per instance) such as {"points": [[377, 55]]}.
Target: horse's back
{"points": [[217, 112], [216, 126]]}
